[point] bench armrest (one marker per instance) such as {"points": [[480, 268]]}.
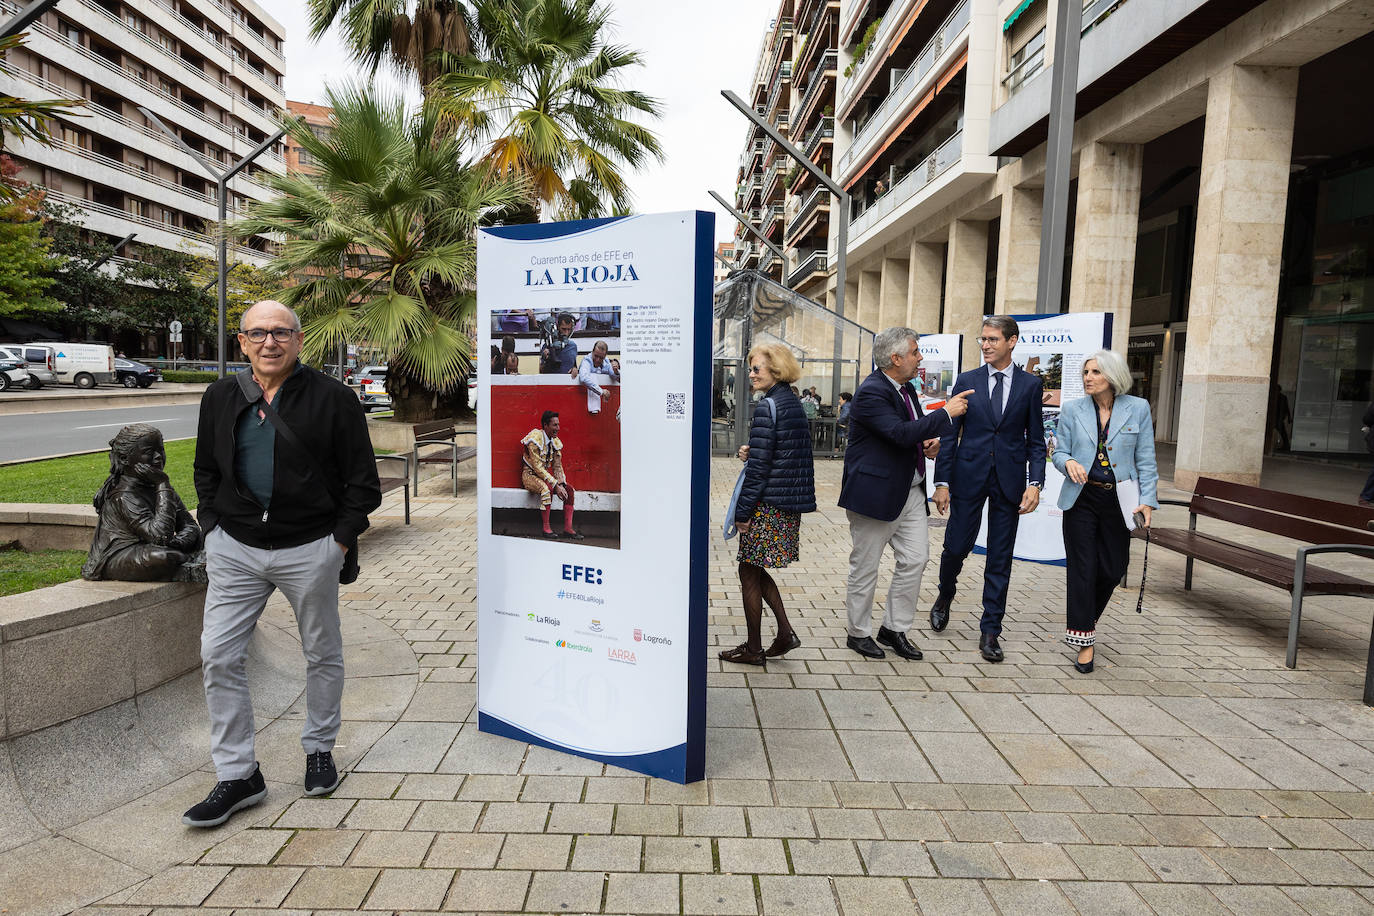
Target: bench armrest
{"points": [[1185, 503], [404, 459], [1360, 549]]}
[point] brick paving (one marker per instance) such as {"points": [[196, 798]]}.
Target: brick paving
{"points": [[1192, 772]]}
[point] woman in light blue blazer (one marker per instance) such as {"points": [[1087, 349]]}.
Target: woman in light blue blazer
{"points": [[1102, 439]]}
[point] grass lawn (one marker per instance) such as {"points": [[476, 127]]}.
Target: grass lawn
{"points": [[75, 479], [21, 571]]}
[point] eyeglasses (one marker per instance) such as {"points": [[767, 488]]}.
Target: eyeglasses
{"points": [[755, 370], [280, 335], [990, 341]]}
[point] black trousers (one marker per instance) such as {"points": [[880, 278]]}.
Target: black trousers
{"points": [[1097, 548]]}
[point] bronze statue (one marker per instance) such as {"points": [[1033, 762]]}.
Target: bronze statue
{"points": [[144, 532]]}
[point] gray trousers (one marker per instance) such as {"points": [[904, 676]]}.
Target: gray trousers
{"points": [[242, 578], [909, 536]]}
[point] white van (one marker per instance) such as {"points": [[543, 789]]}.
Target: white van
{"points": [[83, 364], [40, 359]]}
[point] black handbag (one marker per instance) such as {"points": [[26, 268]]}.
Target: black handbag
{"points": [[348, 573]]}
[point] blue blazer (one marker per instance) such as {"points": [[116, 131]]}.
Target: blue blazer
{"points": [[880, 459], [974, 445], [1130, 445]]}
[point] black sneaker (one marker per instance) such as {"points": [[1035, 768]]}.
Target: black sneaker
{"points": [[225, 798], [320, 776]]}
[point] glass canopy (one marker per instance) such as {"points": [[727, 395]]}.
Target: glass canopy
{"points": [[835, 355]]}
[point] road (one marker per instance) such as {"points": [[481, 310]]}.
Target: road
{"points": [[38, 434]]}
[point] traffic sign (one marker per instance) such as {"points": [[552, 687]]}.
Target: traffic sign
{"points": [[175, 327]]}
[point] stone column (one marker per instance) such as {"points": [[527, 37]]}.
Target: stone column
{"points": [[870, 295], [1104, 234], [892, 294], [1242, 200], [966, 277], [927, 265], [1018, 251]]}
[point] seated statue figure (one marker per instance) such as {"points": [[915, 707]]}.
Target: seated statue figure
{"points": [[144, 532]]}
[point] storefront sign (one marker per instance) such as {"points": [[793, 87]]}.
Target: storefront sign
{"points": [[596, 645]]}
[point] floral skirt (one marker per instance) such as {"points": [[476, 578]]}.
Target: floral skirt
{"points": [[773, 538]]}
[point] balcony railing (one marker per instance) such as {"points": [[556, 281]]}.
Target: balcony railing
{"points": [[208, 36], [818, 79], [1029, 65], [876, 53], [201, 237], [1094, 11], [811, 263], [926, 171], [818, 197], [826, 128], [948, 33]]}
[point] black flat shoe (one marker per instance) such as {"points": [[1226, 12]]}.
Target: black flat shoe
{"points": [[741, 655], [899, 643], [990, 649], [865, 646], [572, 536], [782, 646], [550, 535], [939, 613], [1083, 667]]}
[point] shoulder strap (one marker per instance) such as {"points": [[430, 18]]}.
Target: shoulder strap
{"points": [[772, 409], [254, 393]]}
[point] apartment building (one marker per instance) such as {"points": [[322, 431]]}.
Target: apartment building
{"points": [[1222, 203], [319, 118], [212, 70]]}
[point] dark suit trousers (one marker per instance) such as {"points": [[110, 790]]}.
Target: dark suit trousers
{"points": [[965, 518]]}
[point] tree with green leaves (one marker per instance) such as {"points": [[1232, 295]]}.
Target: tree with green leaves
{"points": [[543, 89], [396, 201], [407, 34], [24, 262]]}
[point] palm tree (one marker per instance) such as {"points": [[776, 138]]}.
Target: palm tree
{"points": [[543, 87], [406, 33], [395, 200]]}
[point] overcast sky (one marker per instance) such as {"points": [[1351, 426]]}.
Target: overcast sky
{"points": [[690, 52]]}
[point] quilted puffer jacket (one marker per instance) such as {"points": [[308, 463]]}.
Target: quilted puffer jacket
{"points": [[780, 470]]}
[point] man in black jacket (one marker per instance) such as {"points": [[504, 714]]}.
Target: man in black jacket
{"points": [[883, 491], [286, 477]]}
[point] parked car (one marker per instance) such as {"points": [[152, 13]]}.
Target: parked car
{"points": [[14, 373], [40, 359], [84, 365], [135, 375], [372, 387]]}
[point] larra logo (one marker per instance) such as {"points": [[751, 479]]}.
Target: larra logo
{"points": [[622, 655], [582, 276]]}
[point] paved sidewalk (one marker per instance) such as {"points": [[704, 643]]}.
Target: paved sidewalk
{"points": [[1191, 773]]}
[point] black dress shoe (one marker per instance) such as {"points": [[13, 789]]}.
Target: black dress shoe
{"points": [[865, 646], [898, 643], [939, 613], [987, 644], [743, 655], [783, 644]]}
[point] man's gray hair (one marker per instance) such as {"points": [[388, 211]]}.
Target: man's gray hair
{"points": [[889, 342], [1113, 366], [295, 319]]}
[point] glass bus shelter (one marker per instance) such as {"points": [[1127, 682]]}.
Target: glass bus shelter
{"points": [[835, 355]]}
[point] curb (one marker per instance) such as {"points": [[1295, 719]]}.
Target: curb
{"points": [[15, 404]]}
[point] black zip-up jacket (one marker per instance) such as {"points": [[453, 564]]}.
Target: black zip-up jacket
{"points": [[325, 415], [780, 471]]}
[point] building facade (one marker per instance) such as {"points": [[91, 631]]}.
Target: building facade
{"points": [[1222, 203], [212, 70]]}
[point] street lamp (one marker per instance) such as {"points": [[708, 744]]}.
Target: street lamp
{"points": [[744, 221], [1054, 218], [222, 196], [26, 17]]}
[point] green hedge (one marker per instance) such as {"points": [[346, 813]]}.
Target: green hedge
{"points": [[201, 378]]}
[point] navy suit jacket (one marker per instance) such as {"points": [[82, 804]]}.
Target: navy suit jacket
{"points": [[880, 459], [974, 445]]}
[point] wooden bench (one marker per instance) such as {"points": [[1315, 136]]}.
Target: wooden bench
{"points": [[1329, 527], [392, 483], [444, 434]]}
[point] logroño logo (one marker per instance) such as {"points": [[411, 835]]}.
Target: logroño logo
{"points": [[624, 656], [641, 636]]}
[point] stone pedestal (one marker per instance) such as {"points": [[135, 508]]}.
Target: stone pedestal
{"points": [[926, 270], [966, 277], [1108, 215], [1241, 204], [1018, 251]]}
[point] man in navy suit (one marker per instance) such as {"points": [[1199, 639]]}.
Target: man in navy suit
{"points": [[883, 491], [984, 459]]}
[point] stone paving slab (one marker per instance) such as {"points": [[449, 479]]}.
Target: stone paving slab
{"points": [[1191, 773]]}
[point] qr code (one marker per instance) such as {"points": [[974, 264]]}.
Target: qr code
{"points": [[677, 405]]}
